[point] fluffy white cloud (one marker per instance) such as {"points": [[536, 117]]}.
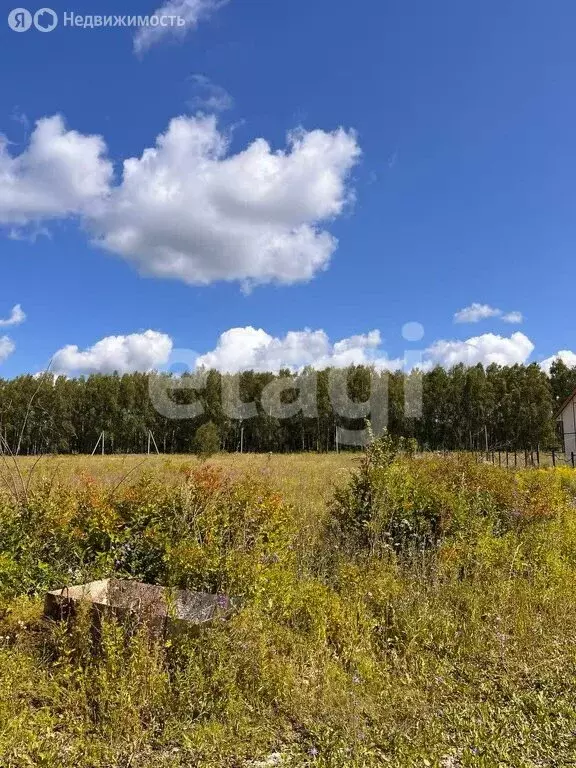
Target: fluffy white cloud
{"points": [[567, 357], [59, 174], [250, 348], [187, 209], [17, 316], [486, 349], [136, 352], [7, 346], [253, 349], [191, 11], [476, 312]]}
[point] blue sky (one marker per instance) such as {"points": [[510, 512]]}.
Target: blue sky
{"points": [[435, 143]]}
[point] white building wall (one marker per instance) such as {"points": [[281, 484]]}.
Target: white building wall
{"points": [[569, 422]]}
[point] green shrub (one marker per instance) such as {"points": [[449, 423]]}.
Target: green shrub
{"points": [[404, 503]]}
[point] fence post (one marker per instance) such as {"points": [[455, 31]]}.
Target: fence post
{"points": [[538, 454], [515, 459], [573, 466], [499, 459], [507, 460], [553, 457]]}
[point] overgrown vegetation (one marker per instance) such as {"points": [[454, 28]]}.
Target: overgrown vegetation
{"points": [[463, 409], [425, 617]]}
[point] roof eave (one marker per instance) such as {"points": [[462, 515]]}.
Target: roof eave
{"points": [[566, 403]]}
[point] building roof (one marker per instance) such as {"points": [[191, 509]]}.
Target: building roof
{"points": [[566, 402]]}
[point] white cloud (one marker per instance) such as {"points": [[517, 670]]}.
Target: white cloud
{"points": [[251, 348], [486, 349], [191, 11], [567, 357], [187, 209], [135, 352], [476, 312], [513, 317], [207, 96], [17, 316], [59, 174], [7, 346]]}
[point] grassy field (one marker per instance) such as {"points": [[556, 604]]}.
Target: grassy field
{"points": [[299, 476], [397, 611]]}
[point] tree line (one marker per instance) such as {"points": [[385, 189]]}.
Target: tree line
{"points": [[465, 408]]}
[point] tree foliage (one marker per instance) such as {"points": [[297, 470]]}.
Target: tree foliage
{"points": [[463, 408], [207, 439]]}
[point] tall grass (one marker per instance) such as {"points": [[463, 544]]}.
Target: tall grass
{"points": [[422, 615]]}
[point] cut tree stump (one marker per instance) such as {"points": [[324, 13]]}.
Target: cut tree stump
{"points": [[162, 609]]}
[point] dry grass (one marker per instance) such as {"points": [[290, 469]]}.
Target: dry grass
{"points": [[456, 651], [303, 478]]}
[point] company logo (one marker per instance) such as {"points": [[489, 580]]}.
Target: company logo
{"points": [[20, 20], [45, 20]]}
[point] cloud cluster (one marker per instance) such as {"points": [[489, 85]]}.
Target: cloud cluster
{"points": [[191, 11], [17, 316], [7, 346], [567, 356], [476, 312], [248, 348], [136, 352], [240, 349], [486, 349], [188, 208]]}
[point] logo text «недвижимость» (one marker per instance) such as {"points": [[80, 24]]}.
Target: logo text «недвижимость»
{"points": [[46, 19]]}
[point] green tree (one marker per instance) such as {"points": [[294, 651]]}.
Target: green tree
{"points": [[562, 380], [207, 439]]}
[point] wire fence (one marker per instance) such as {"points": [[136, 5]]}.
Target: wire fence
{"points": [[529, 458]]}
